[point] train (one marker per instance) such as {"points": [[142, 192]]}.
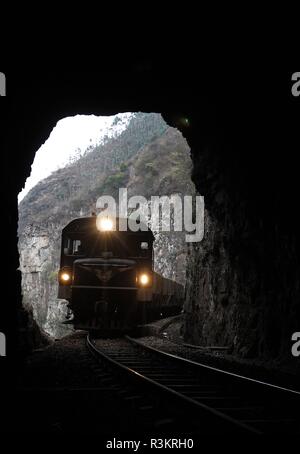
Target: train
{"points": [[106, 276]]}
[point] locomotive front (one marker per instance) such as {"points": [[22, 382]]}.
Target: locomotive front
{"points": [[105, 274]]}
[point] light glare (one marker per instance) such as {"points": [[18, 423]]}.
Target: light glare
{"points": [[106, 225], [65, 277], [144, 279]]}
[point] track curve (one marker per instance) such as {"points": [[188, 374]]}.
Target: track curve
{"points": [[225, 400]]}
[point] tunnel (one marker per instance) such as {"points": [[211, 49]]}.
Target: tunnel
{"points": [[242, 281]]}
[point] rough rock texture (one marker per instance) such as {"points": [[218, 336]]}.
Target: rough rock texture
{"points": [[242, 288], [32, 336], [39, 262], [156, 163]]}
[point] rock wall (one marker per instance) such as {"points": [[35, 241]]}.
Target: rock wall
{"points": [[242, 287], [39, 248]]}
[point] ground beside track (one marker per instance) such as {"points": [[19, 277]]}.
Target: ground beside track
{"points": [[168, 337], [45, 396]]}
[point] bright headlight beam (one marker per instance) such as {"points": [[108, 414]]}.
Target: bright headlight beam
{"points": [[105, 225], [144, 279], [65, 277]]}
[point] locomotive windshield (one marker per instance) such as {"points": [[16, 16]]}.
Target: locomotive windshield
{"points": [[115, 245]]}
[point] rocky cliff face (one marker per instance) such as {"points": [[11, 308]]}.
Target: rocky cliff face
{"points": [[39, 247], [241, 278], [149, 158]]}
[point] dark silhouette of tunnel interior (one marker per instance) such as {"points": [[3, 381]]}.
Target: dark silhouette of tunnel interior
{"points": [[242, 133]]}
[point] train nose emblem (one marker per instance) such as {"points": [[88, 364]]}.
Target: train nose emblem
{"points": [[104, 275]]}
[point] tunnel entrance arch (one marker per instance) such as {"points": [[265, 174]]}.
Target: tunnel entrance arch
{"points": [[136, 151], [239, 168]]}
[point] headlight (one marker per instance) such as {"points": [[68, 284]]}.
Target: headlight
{"points": [[144, 279], [65, 276], [104, 224]]}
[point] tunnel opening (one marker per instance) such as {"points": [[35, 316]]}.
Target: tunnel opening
{"points": [[243, 282], [137, 151], [232, 299]]}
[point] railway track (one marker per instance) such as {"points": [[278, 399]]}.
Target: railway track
{"points": [[196, 395]]}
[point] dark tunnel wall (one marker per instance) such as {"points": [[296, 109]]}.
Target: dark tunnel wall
{"points": [[243, 279]]}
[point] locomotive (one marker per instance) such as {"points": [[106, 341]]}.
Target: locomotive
{"points": [[106, 275]]}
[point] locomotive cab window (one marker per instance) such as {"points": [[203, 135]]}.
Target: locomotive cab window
{"points": [[77, 247], [73, 247]]}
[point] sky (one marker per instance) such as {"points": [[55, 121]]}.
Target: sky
{"points": [[67, 136]]}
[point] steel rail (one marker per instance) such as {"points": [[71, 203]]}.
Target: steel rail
{"points": [[228, 421]]}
